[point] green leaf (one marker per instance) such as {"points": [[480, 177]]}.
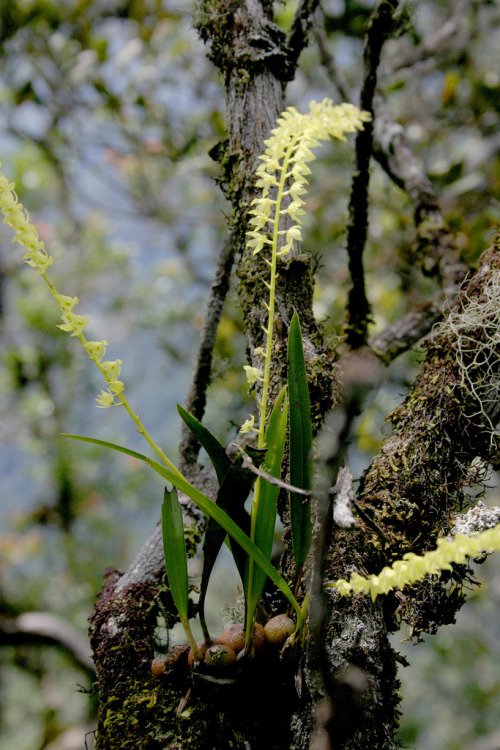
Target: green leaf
{"points": [[231, 497], [263, 516], [301, 464], [216, 451], [174, 547], [211, 510]]}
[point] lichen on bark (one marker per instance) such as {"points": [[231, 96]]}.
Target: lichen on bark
{"points": [[418, 481]]}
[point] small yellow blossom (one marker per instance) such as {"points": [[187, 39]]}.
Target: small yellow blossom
{"points": [[112, 368], [343, 587], [73, 323], [96, 350], [105, 399], [248, 426], [253, 374], [66, 303], [116, 387]]}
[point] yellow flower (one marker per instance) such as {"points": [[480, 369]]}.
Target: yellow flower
{"points": [[66, 303], [96, 350], [253, 374], [116, 387], [104, 400], [112, 368], [248, 426], [73, 323], [343, 587], [287, 153]]}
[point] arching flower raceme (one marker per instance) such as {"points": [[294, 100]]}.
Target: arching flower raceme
{"points": [[285, 166], [37, 257], [25, 233], [413, 568], [281, 179]]}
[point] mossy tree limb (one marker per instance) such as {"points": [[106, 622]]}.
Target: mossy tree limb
{"points": [[417, 483]]}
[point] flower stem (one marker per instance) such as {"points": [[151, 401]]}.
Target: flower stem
{"points": [[135, 418], [272, 295]]}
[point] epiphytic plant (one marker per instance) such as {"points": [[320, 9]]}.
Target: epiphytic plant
{"points": [[37, 257], [275, 228]]}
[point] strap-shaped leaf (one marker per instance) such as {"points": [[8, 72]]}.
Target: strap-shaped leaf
{"points": [[263, 515], [216, 451], [301, 439], [211, 510], [174, 547], [231, 497]]}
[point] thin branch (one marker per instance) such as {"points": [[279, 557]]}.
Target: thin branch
{"points": [[408, 330], [247, 463], [44, 628], [395, 155], [333, 71], [433, 44], [298, 38], [358, 307], [436, 249], [197, 393], [435, 246]]}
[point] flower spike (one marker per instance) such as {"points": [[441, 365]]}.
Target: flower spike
{"points": [[413, 568], [37, 257], [281, 178]]}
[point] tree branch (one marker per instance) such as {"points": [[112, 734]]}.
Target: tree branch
{"points": [[435, 246], [436, 249], [298, 38], [432, 44], [412, 491], [358, 307], [45, 628], [408, 330], [197, 393], [415, 485]]}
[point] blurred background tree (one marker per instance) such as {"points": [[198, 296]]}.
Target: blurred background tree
{"points": [[108, 111]]}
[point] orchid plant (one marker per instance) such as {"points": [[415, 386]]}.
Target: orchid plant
{"points": [[275, 229]]}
